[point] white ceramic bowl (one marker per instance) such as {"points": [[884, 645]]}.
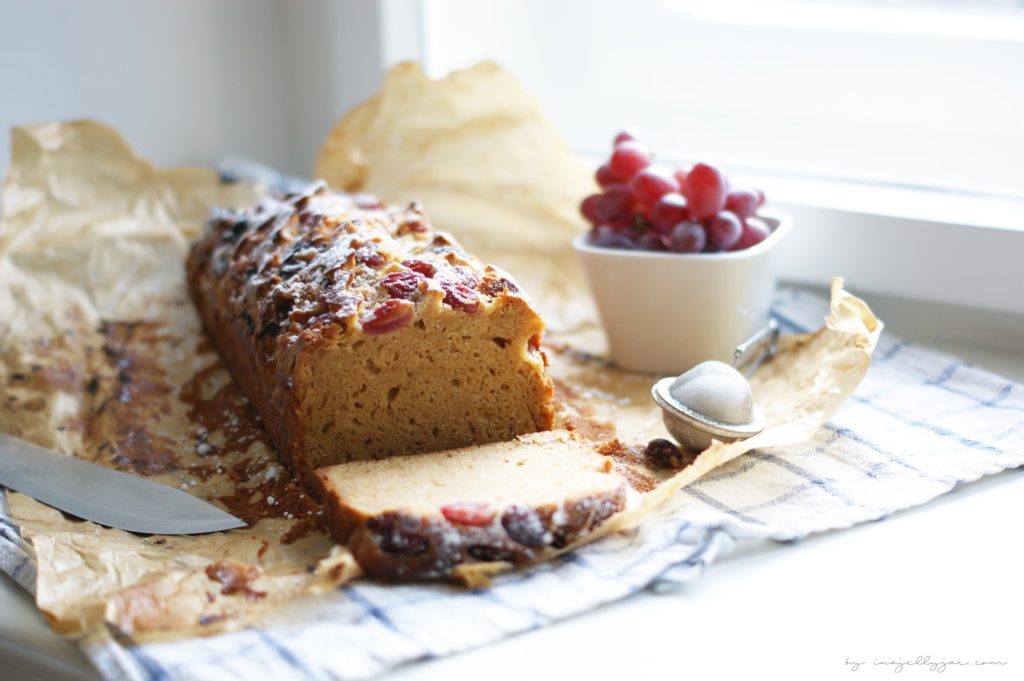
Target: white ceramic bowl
{"points": [[666, 312]]}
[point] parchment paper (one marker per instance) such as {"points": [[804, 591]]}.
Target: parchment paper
{"points": [[479, 153], [103, 357]]}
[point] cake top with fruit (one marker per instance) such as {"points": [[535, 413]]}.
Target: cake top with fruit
{"points": [[643, 206], [322, 262]]}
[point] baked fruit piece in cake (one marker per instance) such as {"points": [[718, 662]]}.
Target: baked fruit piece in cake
{"points": [[359, 332], [428, 516]]}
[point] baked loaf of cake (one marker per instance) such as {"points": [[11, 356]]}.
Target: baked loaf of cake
{"points": [[421, 517], [359, 332]]}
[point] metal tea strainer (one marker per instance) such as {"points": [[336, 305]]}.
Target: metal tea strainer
{"points": [[713, 400]]}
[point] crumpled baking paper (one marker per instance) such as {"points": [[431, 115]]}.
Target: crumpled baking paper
{"points": [[103, 357], [478, 152]]}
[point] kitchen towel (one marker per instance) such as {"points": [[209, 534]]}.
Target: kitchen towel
{"points": [[920, 423]]}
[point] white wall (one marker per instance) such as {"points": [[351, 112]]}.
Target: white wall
{"points": [[191, 81], [337, 53]]}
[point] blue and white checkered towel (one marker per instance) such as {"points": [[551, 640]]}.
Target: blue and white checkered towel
{"points": [[919, 424]]}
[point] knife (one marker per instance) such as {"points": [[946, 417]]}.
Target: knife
{"points": [[106, 496]]}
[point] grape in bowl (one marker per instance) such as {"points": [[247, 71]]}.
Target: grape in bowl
{"points": [[677, 277]]}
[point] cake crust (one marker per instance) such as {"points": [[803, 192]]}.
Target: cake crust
{"points": [[359, 332]]}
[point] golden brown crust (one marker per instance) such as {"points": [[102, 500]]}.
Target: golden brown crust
{"points": [[312, 299]]}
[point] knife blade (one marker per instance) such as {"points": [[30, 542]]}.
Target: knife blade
{"points": [[104, 495]]}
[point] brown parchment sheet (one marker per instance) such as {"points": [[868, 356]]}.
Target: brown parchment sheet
{"points": [[476, 149], [103, 358]]}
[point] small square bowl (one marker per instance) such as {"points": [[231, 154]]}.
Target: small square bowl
{"points": [[664, 312]]}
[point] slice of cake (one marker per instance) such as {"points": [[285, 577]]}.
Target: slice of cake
{"points": [[421, 517], [359, 332]]}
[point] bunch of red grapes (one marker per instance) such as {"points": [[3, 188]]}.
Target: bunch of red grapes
{"points": [[643, 207]]}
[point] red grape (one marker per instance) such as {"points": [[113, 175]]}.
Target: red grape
{"points": [[648, 241], [668, 212], [755, 230], [628, 159], [724, 229], [742, 202], [686, 210], [649, 185], [606, 237], [704, 191], [605, 177], [627, 135], [643, 210], [589, 208], [680, 176], [615, 207], [687, 237]]}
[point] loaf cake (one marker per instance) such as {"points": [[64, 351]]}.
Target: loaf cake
{"points": [[422, 517], [359, 332]]}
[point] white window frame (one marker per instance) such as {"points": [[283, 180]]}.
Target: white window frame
{"points": [[888, 241]]}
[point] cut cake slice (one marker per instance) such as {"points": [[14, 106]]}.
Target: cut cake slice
{"points": [[423, 516]]}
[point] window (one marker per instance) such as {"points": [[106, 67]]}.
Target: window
{"points": [[924, 94], [891, 131], [884, 128]]}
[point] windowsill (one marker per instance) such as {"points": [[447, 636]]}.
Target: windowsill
{"points": [[937, 262], [924, 245], [946, 207]]}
